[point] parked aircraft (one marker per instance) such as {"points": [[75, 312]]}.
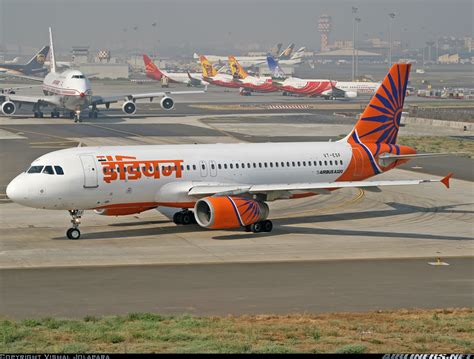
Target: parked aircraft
{"points": [[210, 75], [154, 73], [286, 58], [250, 83], [70, 91], [329, 89], [222, 186], [34, 67]]}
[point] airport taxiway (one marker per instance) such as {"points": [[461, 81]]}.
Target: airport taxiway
{"points": [[251, 288]]}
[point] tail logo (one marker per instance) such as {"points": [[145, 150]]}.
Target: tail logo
{"points": [[385, 109], [40, 58]]}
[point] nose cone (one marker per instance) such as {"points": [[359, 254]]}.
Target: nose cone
{"points": [[16, 191]]}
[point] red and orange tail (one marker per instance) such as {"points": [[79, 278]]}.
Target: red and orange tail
{"points": [[380, 121], [151, 69]]}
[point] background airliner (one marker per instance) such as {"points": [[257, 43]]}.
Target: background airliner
{"points": [[34, 67], [251, 83], [329, 89], [221, 185], [286, 58], [210, 75], [153, 72], [70, 91]]}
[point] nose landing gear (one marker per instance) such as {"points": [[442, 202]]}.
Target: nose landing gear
{"points": [[74, 232]]}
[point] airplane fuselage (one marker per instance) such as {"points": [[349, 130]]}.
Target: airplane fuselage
{"points": [[116, 177]]}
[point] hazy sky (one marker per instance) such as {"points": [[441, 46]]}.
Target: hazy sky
{"points": [[215, 25]]}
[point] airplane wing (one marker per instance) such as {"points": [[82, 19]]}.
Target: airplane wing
{"points": [[10, 90], [99, 100], [277, 191], [43, 100]]}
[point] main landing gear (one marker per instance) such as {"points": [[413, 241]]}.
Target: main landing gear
{"points": [[55, 113], [74, 232], [263, 226], [184, 217]]}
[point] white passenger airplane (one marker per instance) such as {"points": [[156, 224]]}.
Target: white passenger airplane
{"points": [[221, 185], [70, 91], [327, 89]]}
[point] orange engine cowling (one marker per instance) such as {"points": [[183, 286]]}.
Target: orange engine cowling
{"points": [[229, 212]]}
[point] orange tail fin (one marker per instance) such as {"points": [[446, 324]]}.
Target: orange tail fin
{"points": [[380, 121]]}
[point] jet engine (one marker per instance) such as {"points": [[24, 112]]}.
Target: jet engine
{"points": [[167, 103], [129, 107], [350, 94], [229, 212], [8, 108]]}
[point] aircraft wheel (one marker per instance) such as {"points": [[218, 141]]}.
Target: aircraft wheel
{"points": [[73, 233], [267, 226], [187, 218], [178, 218], [257, 227]]}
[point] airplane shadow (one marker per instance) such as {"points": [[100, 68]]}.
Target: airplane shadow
{"points": [[287, 226]]}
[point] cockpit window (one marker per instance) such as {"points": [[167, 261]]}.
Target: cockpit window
{"points": [[78, 76], [35, 169], [48, 170], [59, 170]]}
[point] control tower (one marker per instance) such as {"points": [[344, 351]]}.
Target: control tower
{"points": [[324, 28]]}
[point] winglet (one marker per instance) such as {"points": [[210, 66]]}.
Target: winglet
{"points": [[445, 180]]}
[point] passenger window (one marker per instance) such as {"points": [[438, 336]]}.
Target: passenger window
{"points": [[283, 164], [293, 164], [219, 166], [330, 162], [288, 164], [325, 163], [304, 163], [254, 165], [48, 170], [231, 166], [260, 164], [299, 163], [188, 168], [212, 166], [320, 163], [271, 164], [265, 164], [182, 167], [315, 163], [340, 162], [248, 165], [35, 169], [203, 166], [59, 170], [276, 164], [236, 165], [225, 165], [194, 167]]}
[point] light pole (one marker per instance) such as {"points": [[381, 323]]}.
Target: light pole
{"points": [[356, 45], [354, 11], [392, 16]]}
